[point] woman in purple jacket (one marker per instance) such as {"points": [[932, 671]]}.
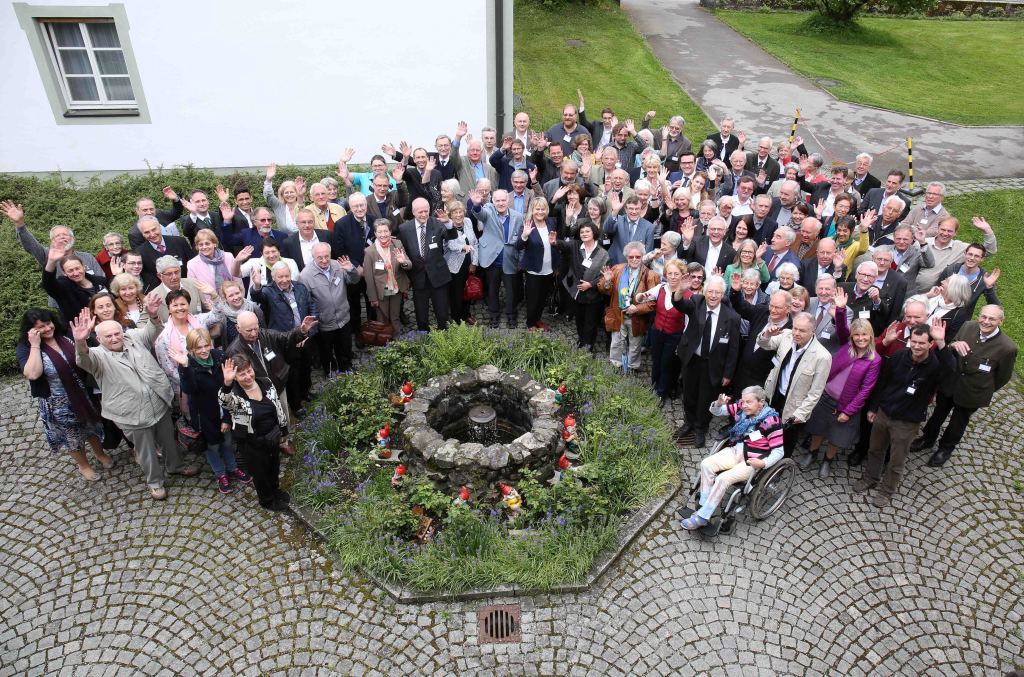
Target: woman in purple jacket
{"points": [[855, 370]]}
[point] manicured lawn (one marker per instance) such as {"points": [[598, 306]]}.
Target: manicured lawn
{"points": [[968, 72], [1002, 209], [614, 67]]}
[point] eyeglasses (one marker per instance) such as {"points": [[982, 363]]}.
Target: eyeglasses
{"points": [[264, 220], [633, 258]]}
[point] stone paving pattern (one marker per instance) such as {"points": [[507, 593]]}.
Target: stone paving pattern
{"points": [[99, 579]]}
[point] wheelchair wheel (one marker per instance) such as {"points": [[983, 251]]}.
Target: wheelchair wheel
{"points": [[772, 489]]}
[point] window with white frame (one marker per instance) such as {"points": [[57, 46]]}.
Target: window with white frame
{"points": [[91, 65]]}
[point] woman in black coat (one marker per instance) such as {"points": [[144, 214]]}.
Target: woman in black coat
{"points": [[586, 259], [201, 380]]}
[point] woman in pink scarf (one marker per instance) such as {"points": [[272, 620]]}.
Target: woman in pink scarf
{"points": [[384, 266]]}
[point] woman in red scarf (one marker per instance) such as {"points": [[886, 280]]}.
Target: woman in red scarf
{"points": [[70, 418]]}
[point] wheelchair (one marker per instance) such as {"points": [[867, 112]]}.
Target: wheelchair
{"points": [[760, 496]]}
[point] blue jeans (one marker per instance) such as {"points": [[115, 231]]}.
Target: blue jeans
{"points": [[221, 457]]}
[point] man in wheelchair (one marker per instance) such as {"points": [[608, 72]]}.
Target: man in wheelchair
{"points": [[754, 442]]}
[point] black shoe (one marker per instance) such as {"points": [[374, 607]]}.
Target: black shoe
{"points": [[939, 458], [824, 470], [284, 497], [699, 440], [920, 443], [276, 506], [684, 430], [855, 458]]}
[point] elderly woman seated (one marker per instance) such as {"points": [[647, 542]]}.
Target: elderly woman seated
{"points": [[755, 442]]}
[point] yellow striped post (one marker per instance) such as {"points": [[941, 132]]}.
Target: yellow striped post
{"points": [[792, 130], [910, 170]]}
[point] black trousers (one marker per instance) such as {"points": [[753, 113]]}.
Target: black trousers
{"points": [[358, 299], [588, 315], [537, 289], [459, 308], [335, 348], [791, 433], [300, 366], [944, 405], [422, 298], [664, 371], [698, 393], [263, 461]]}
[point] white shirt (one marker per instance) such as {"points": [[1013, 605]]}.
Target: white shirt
{"points": [[787, 373], [307, 249], [258, 263], [711, 262], [714, 326]]}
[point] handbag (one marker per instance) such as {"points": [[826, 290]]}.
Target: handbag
{"points": [[474, 289], [377, 333]]}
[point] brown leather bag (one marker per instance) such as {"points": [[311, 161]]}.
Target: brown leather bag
{"points": [[376, 333]]}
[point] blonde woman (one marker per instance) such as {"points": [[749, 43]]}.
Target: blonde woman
{"points": [[127, 290], [853, 375], [288, 201], [212, 264]]}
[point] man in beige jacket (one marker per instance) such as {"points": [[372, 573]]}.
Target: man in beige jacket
{"points": [[136, 393], [800, 370]]}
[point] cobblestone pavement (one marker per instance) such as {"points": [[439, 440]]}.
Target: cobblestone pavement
{"points": [[98, 579]]}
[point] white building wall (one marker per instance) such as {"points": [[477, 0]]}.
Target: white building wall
{"points": [[236, 83]]}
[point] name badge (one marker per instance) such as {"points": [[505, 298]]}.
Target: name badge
{"points": [[864, 315], [567, 138], [755, 435], [825, 336], [606, 242], [674, 158], [618, 165], [911, 390], [986, 368], [724, 339], [432, 245], [905, 267], [292, 304], [269, 355], [379, 265], [337, 281], [586, 263]]}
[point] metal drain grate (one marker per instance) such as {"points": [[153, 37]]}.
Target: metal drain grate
{"points": [[499, 623]]}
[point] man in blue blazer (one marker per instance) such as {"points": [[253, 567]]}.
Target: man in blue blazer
{"points": [[622, 230], [499, 257], [353, 233], [779, 251]]}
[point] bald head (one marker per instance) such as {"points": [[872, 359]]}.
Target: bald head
{"points": [[248, 326], [111, 336]]}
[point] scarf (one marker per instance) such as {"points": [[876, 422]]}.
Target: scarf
{"points": [[628, 281], [64, 362], [843, 245], [744, 424], [231, 314], [220, 269], [385, 256]]}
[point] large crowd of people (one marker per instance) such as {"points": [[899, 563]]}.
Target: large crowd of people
{"points": [[812, 305]]}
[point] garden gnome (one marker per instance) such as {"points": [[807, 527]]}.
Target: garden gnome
{"points": [[406, 392], [512, 501], [384, 441], [560, 394], [396, 479], [462, 497], [569, 437]]}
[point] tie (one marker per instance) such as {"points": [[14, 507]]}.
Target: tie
{"points": [[705, 341], [161, 248], [821, 314], [206, 220], [774, 262], [686, 181], [632, 230], [423, 239]]}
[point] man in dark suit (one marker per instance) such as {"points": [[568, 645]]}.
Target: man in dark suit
{"points": [[677, 145], [299, 245], [882, 229], [384, 203], [760, 226], [755, 364], [423, 179], [876, 197], [731, 181], [708, 352], [710, 250], [891, 283], [352, 235], [623, 229], [822, 264], [146, 207], [156, 245], [200, 217], [779, 251], [822, 308], [425, 239], [826, 192], [865, 299], [726, 141], [263, 222], [782, 206], [765, 168], [863, 179]]}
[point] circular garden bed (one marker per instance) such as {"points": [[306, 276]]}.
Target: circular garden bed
{"points": [[473, 482]]}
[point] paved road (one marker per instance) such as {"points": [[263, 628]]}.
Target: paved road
{"points": [[98, 579], [726, 74]]}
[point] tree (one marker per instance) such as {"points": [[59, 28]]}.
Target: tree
{"points": [[842, 13]]}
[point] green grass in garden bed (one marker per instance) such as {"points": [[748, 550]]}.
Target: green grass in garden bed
{"points": [[968, 72], [625, 442], [614, 67], [1003, 210]]}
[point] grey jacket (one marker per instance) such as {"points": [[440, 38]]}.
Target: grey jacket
{"points": [[134, 387], [30, 244], [331, 297]]}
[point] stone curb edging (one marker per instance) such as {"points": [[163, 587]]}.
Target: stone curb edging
{"points": [[632, 528]]}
